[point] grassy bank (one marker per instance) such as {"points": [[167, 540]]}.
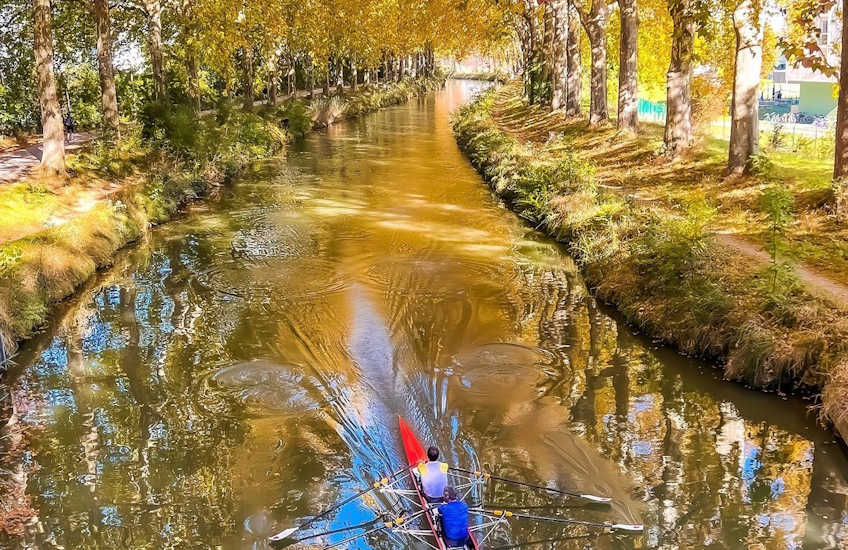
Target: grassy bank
{"points": [[657, 258], [115, 191]]}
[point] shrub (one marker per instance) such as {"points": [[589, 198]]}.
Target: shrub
{"points": [[171, 127], [776, 203]]}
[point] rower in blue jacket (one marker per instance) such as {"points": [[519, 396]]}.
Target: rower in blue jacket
{"points": [[453, 515]]}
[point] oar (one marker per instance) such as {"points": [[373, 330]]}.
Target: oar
{"points": [[388, 525], [283, 543], [593, 498], [615, 526], [377, 484]]}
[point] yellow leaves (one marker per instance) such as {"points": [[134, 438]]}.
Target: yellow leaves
{"points": [[363, 30]]}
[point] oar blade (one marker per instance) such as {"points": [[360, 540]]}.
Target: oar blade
{"points": [[596, 498], [283, 535], [633, 528]]}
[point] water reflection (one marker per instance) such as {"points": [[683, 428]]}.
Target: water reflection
{"points": [[246, 368]]}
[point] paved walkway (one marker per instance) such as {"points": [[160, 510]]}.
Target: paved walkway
{"points": [[18, 162]]}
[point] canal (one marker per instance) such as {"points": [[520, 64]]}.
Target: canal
{"points": [[244, 368]]}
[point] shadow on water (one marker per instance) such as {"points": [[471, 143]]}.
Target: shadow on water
{"points": [[245, 369]]}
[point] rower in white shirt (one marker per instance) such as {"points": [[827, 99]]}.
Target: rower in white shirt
{"points": [[434, 476]]}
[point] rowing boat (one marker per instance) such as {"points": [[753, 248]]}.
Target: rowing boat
{"points": [[415, 455], [402, 518]]}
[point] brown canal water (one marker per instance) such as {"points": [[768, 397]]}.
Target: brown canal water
{"points": [[245, 369]]}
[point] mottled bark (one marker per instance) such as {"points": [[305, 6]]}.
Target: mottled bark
{"points": [[628, 85], [679, 134], [154, 44], [744, 107], [310, 79], [108, 95], [840, 165], [354, 77], [272, 85], [559, 58], [529, 43], [339, 75], [53, 155], [574, 81], [546, 75], [247, 77], [291, 77], [595, 23]]}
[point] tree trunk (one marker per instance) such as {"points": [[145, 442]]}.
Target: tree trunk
{"points": [[530, 52], [354, 77], [595, 23], [248, 78], [310, 79], [272, 85], [193, 80], [108, 96], [53, 156], [574, 80], [339, 75], [840, 165], [559, 58], [628, 85], [744, 107], [547, 74], [679, 134], [326, 90], [154, 43]]}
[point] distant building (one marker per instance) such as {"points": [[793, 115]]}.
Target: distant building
{"points": [[816, 91]]}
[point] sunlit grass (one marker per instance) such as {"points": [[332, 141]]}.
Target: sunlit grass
{"points": [[56, 232], [643, 229]]}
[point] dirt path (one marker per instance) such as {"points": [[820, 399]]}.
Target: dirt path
{"points": [[16, 164], [536, 130], [818, 284]]}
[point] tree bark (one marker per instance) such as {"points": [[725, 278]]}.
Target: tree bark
{"points": [[840, 165], [559, 59], [247, 84], [574, 67], [679, 134], [310, 78], [354, 77], [628, 85], [339, 75], [530, 52], [744, 108], [154, 43], [53, 156], [547, 73], [108, 95], [595, 23], [272, 85]]}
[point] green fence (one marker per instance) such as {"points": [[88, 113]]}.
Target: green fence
{"points": [[652, 110]]}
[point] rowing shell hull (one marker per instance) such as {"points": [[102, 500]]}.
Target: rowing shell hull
{"points": [[415, 455]]}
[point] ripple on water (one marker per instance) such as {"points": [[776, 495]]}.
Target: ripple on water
{"points": [[436, 275], [498, 369], [264, 387], [274, 280]]}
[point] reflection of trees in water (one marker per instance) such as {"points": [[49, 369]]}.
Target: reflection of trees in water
{"points": [[692, 454], [128, 453]]}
